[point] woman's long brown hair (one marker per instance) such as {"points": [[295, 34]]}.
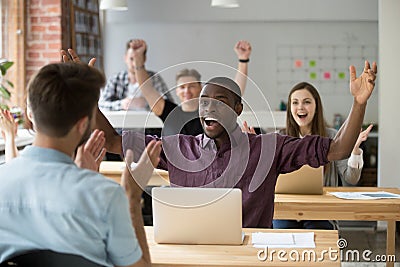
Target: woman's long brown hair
{"points": [[318, 124]]}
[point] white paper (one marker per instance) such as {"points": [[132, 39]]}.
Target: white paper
{"points": [[364, 195], [272, 238], [283, 240]]}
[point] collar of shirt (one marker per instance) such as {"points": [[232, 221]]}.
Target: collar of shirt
{"points": [[236, 135], [45, 155]]}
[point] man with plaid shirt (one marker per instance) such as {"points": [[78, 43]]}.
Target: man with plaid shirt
{"points": [[122, 90]]}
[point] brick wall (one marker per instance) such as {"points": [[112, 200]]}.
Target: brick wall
{"points": [[43, 33]]}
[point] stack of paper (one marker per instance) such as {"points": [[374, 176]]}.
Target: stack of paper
{"points": [[364, 195], [283, 240]]}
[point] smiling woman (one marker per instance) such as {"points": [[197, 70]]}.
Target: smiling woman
{"points": [[305, 117], [305, 111]]}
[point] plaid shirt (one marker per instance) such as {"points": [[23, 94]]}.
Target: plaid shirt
{"points": [[116, 89]]}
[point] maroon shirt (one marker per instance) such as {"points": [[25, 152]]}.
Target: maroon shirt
{"points": [[249, 162]]}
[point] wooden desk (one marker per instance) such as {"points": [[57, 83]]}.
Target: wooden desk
{"points": [[328, 207], [113, 170], [244, 255]]}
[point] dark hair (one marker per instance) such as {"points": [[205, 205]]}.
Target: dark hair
{"points": [[229, 84], [318, 125], [128, 45], [60, 94]]}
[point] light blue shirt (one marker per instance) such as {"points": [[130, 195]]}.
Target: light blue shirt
{"points": [[47, 202]]}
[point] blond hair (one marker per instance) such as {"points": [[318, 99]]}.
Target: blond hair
{"points": [[188, 72]]}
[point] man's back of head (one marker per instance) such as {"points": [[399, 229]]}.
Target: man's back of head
{"points": [[62, 93]]}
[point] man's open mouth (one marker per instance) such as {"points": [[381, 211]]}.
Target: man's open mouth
{"points": [[210, 121]]}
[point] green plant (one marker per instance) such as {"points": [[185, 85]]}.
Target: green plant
{"points": [[5, 84]]}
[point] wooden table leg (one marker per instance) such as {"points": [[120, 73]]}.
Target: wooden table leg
{"points": [[390, 241]]}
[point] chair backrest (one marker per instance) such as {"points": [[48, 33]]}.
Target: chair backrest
{"points": [[48, 258]]}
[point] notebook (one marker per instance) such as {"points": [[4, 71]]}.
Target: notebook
{"points": [[187, 215], [305, 181]]}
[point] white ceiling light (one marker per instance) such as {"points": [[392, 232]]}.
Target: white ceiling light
{"points": [[114, 4], [225, 3]]}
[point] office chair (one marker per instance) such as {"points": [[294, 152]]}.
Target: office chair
{"points": [[47, 258]]}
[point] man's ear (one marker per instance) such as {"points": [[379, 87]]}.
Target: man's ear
{"points": [[30, 115], [238, 108], [82, 124]]}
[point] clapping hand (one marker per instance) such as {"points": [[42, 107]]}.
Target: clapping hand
{"points": [[90, 154], [8, 126], [134, 180]]}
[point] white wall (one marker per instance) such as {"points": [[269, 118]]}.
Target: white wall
{"points": [[178, 31], [250, 10], [389, 126]]}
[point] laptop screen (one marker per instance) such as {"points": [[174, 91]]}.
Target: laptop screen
{"points": [[306, 180]]}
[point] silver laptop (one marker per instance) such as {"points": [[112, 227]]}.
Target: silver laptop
{"points": [[187, 215], [305, 181]]}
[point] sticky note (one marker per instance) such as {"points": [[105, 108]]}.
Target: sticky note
{"points": [[298, 63], [341, 75], [313, 75], [327, 75], [312, 63]]}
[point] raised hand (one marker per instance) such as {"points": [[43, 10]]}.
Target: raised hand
{"points": [[243, 49], [71, 56], [139, 48], [8, 125], [95, 146], [361, 87], [90, 154], [361, 138], [134, 180], [247, 129], [8, 129]]}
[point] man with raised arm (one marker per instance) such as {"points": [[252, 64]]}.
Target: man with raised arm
{"points": [[122, 89], [224, 156], [182, 118]]}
